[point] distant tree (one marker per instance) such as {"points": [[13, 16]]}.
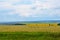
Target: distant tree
{"points": [[19, 24], [58, 24]]}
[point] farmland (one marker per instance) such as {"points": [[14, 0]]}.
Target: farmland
{"points": [[29, 36], [30, 32], [30, 28]]}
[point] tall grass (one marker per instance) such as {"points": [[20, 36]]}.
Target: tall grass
{"points": [[32, 28], [29, 36], [29, 32]]}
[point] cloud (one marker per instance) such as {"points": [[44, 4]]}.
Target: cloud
{"points": [[23, 10], [6, 5], [10, 1], [26, 10], [32, 8]]}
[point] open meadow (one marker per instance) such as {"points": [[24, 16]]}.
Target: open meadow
{"points": [[30, 28], [30, 32]]}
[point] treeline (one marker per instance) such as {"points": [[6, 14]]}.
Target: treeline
{"points": [[58, 24], [13, 24], [19, 24]]}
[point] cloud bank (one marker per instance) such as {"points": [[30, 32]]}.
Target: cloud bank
{"points": [[31, 8]]}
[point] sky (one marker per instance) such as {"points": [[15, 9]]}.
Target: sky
{"points": [[29, 10]]}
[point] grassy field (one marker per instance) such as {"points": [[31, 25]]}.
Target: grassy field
{"points": [[29, 28], [29, 36], [29, 32]]}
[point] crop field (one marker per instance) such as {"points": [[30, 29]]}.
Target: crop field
{"points": [[30, 28], [30, 32]]}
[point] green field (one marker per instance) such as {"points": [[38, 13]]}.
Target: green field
{"points": [[29, 32], [29, 36]]}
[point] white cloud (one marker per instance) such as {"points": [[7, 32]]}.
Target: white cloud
{"points": [[25, 10], [5, 5], [42, 5], [10, 1]]}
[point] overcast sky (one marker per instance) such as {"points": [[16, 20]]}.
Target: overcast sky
{"points": [[29, 10]]}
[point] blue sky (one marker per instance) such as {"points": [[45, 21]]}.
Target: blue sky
{"points": [[29, 10]]}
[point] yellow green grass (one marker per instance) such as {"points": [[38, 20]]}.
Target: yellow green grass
{"points": [[29, 36], [29, 32], [29, 28]]}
